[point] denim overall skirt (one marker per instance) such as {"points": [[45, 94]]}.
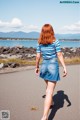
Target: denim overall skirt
{"points": [[50, 70]]}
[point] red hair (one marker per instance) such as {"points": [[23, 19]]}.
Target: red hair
{"points": [[47, 35]]}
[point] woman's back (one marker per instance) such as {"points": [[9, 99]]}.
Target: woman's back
{"points": [[48, 51]]}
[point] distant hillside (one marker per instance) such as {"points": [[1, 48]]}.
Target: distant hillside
{"points": [[21, 34], [68, 36]]}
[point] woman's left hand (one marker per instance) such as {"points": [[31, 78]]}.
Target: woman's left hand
{"points": [[65, 72]]}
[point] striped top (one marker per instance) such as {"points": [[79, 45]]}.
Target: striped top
{"points": [[49, 51]]}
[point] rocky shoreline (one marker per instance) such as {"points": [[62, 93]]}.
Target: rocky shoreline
{"points": [[24, 53]]}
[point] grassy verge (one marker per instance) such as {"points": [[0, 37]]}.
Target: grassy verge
{"points": [[73, 60], [19, 61]]}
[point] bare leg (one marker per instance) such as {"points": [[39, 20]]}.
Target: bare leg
{"points": [[48, 99], [46, 81]]}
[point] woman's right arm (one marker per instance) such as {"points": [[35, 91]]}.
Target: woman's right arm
{"points": [[38, 56], [60, 56]]}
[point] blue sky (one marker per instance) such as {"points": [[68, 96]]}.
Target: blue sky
{"points": [[31, 15]]}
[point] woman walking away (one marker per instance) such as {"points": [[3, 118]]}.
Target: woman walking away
{"points": [[49, 48]]}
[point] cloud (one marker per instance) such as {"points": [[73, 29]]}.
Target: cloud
{"points": [[16, 25], [3, 24], [73, 28]]}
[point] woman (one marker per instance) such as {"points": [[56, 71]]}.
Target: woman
{"points": [[50, 50]]}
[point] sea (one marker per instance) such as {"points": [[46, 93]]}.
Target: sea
{"points": [[33, 43]]}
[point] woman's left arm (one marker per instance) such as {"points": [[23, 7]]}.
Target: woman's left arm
{"points": [[60, 56]]}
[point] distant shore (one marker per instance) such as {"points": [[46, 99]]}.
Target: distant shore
{"points": [[9, 38]]}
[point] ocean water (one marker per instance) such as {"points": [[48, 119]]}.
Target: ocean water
{"points": [[33, 43]]}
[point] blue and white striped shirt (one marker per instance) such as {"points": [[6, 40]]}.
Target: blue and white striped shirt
{"points": [[49, 51]]}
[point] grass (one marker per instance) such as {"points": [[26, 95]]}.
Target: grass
{"points": [[73, 60], [19, 61]]}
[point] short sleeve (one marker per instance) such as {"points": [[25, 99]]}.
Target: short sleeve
{"points": [[57, 45], [38, 50]]}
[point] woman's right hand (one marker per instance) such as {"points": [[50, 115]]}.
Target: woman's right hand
{"points": [[37, 71], [64, 72]]}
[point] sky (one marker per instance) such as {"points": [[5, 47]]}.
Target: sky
{"points": [[31, 15]]}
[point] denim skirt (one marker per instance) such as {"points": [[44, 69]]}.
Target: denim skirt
{"points": [[50, 70]]}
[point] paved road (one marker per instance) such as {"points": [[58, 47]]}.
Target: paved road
{"points": [[21, 93]]}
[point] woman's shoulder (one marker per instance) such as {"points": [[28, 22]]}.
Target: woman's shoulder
{"points": [[56, 41], [38, 45]]}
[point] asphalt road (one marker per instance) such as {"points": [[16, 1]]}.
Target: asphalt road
{"points": [[21, 94]]}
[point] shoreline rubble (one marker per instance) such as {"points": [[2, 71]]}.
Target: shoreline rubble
{"points": [[25, 53]]}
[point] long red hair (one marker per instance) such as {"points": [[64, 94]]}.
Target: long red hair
{"points": [[47, 35]]}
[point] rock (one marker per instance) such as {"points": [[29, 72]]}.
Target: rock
{"points": [[14, 65], [29, 53], [1, 65], [19, 46], [5, 65], [5, 55], [73, 49]]}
